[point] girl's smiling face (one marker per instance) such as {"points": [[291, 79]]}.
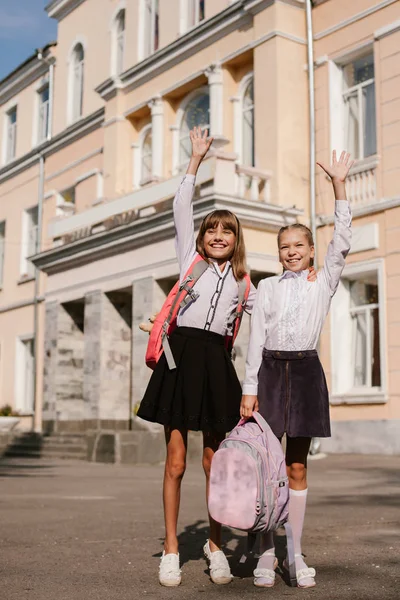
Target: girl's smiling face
{"points": [[219, 242], [295, 252]]}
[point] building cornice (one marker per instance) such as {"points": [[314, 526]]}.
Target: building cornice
{"points": [[363, 211], [353, 19], [156, 228], [63, 139], [25, 74], [58, 9], [161, 61]]}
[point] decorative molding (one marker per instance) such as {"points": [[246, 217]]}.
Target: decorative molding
{"points": [[387, 30], [353, 19], [135, 233], [59, 9], [23, 76], [73, 164], [363, 211], [66, 137], [21, 304]]}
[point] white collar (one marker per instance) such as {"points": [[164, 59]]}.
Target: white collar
{"points": [[293, 274]]}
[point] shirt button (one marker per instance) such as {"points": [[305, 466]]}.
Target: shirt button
{"points": [[300, 354]]}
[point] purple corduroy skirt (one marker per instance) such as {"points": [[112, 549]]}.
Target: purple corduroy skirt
{"points": [[293, 395]]}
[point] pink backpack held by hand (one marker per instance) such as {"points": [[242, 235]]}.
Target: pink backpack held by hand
{"points": [[180, 296], [249, 487]]}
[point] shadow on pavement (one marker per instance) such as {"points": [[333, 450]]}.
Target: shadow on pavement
{"points": [[8, 468]]}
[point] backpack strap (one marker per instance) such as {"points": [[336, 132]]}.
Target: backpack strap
{"points": [[184, 296], [236, 319]]}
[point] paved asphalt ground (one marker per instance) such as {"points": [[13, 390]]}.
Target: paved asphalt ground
{"points": [[79, 531]]}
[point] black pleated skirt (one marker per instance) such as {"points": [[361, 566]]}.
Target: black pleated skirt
{"points": [[293, 395], [203, 393]]}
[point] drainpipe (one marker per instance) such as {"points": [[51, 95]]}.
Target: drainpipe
{"points": [[37, 424], [311, 94]]}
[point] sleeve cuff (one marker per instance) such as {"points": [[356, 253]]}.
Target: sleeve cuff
{"points": [[250, 389], [189, 178]]}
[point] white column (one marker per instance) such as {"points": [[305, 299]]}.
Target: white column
{"points": [[157, 120], [215, 82]]}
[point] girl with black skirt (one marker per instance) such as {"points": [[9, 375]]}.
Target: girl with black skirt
{"points": [[284, 377], [203, 393]]}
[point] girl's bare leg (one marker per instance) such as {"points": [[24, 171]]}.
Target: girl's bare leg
{"points": [[175, 465], [211, 441]]}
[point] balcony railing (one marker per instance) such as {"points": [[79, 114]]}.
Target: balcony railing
{"points": [[361, 183], [253, 184], [219, 175]]}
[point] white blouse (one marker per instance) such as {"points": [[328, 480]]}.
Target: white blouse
{"points": [[218, 290], [289, 311]]}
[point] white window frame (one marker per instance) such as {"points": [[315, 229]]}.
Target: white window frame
{"points": [[186, 6], [138, 180], [146, 38], [177, 166], [118, 41], [238, 124], [75, 102], [2, 250], [337, 93], [28, 242], [11, 133], [342, 368], [46, 106], [23, 404]]}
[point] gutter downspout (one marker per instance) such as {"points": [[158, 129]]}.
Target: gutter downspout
{"points": [[311, 94], [37, 423]]}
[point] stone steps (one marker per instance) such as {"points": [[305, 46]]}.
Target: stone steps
{"points": [[32, 445]]}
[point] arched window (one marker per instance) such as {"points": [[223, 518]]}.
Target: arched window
{"points": [[146, 167], [197, 114], [248, 125], [119, 42], [78, 63]]}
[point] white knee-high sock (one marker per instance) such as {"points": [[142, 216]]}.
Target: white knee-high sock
{"points": [[297, 511], [267, 551]]}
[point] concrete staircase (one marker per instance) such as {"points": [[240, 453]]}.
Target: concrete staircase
{"points": [[61, 445]]}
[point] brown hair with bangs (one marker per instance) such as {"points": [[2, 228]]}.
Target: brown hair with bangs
{"points": [[231, 222]]}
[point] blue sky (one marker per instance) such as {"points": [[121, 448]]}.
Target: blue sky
{"points": [[24, 26]]}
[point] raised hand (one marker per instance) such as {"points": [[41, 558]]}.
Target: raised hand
{"points": [[200, 142], [339, 169]]}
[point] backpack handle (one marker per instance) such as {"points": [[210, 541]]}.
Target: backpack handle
{"points": [[259, 419]]}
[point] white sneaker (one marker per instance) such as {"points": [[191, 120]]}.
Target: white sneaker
{"points": [[169, 572], [220, 571]]}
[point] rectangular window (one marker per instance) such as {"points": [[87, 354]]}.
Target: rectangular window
{"points": [[357, 336], [196, 12], [359, 104], [11, 134], [2, 249], [364, 311], [151, 26], [25, 375], [44, 104], [29, 240]]}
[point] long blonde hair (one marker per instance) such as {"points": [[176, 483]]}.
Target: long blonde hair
{"points": [[228, 221]]}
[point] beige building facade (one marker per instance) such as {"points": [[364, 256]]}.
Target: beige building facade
{"points": [[94, 141]]}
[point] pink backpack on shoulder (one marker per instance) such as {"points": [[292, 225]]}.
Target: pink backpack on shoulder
{"points": [[249, 487], [182, 294]]}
